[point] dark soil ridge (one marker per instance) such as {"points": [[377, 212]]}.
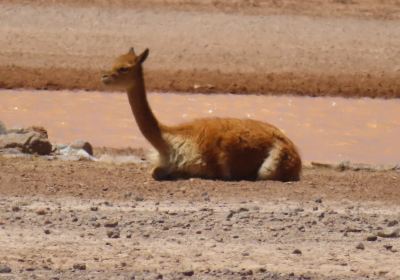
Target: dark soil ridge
{"points": [[206, 81]]}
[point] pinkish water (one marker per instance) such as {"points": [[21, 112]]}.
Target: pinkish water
{"points": [[324, 129]]}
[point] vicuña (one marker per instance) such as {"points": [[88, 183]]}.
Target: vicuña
{"points": [[213, 148]]}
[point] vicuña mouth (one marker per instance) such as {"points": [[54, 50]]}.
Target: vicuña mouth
{"points": [[106, 80]]}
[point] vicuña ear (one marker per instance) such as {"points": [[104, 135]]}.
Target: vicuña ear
{"points": [[132, 50], [142, 57]]}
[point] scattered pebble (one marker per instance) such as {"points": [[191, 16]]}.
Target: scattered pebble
{"points": [[30, 269], [113, 233], [392, 234], [5, 268], [111, 224], [392, 223], [79, 266], [188, 273], [360, 246], [372, 238], [41, 212], [388, 247], [296, 252]]}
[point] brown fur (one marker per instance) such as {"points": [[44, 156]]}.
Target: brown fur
{"points": [[216, 148]]}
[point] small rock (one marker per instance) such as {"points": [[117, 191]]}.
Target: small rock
{"points": [[392, 223], [246, 272], [41, 212], [15, 208], [372, 238], [360, 246], [296, 252], [388, 247], [318, 200], [188, 273], [111, 224], [5, 268], [30, 269], [47, 231], [392, 234], [113, 233], [94, 208], [79, 266], [82, 145], [233, 212]]}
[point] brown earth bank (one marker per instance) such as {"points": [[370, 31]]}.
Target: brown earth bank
{"points": [[384, 9], [91, 220], [317, 48], [204, 81]]}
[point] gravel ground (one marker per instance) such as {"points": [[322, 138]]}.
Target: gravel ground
{"points": [[86, 220]]}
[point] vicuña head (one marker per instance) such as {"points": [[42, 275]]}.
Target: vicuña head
{"points": [[125, 68], [213, 148]]}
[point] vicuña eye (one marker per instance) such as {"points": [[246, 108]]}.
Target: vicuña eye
{"points": [[123, 69]]}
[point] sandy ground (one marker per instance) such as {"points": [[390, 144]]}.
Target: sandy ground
{"points": [[314, 47], [85, 220]]}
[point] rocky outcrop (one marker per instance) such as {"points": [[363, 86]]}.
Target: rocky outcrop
{"points": [[26, 142], [32, 140]]}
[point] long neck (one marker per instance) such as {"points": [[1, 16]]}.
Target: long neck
{"points": [[147, 122]]}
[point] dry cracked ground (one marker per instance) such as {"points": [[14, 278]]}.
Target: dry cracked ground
{"points": [[87, 220]]}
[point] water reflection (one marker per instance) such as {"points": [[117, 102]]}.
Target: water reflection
{"points": [[325, 129]]}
